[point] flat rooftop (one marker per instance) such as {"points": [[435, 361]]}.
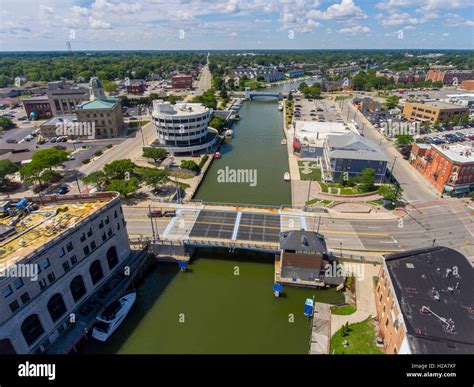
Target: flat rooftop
{"points": [[314, 133], [52, 218], [435, 291], [459, 153], [439, 105], [179, 109]]}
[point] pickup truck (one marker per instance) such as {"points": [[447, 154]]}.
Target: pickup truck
{"points": [[161, 213]]}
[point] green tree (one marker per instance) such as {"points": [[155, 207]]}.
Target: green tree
{"points": [[6, 123], [391, 194], [120, 169], [190, 165], [403, 140], [156, 154], [172, 99], [49, 158], [123, 187], [31, 173], [110, 86], [6, 168], [153, 177], [217, 123], [98, 179], [367, 179]]}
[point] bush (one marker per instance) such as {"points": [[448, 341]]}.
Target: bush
{"points": [[110, 146], [203, 161], [190, 165], [98, 153], [86, 160]]}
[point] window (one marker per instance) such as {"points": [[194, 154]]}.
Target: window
{"points": [[86, 250], [66, 266], [109, 232], [118, 226], [112, 257], [14, 306], [101, 224], [62, 252], [51, 277], [25, 297], [104, 237], [73, 260], [83, 237], [93, 245], [31, 329], [69, 247], [77, 288], [95, 271], [7, 291], [42, 284], [107, 220], [45, 264], [18, 283], [56, 307], [89, 233], [115, 214]]}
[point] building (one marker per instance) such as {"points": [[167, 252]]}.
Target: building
{"points": [[295, 73], [182, 82], [271, 75], [367, 104], [49, 129], [37, 108], [65, 98], [350, 153], [449, 168], [465, 100], [62, 251], [101, 112], [342, 70], [467, 85], [402, 77], [449, 77], [433, 111], [309, 136], [340, 85], [424, 300], [183, 128], [303, 259], [136, 86]]}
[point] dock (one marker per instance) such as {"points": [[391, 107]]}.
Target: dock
{"points": [[320, 329]]}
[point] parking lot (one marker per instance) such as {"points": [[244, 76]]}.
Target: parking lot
{"points": [[319, 110]]}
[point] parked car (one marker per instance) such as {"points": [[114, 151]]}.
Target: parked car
{"points": [[62, 190], [161, 213]]}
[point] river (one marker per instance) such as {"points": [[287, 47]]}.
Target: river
{"points": [[224, 303]]}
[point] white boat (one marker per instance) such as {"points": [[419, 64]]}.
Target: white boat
{"points": [[286, 176], [113, 315], [229, 133], [283, 142], [280, 107]]}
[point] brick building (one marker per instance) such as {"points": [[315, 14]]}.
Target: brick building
{"points": [[424, 300], [449, 77], [37, 107], [182, 82], [450, 168], [433, 111]]}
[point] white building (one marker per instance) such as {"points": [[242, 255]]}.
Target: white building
{"points": [[183, 128], [309, 136]]}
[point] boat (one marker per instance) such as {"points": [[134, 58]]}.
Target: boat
{"points": [[309, 307], [229, 133], [217, 155], [286, 176], [283, 142], [112, 316], [280, 107]]}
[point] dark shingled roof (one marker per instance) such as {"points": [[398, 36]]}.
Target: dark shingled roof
{"points": [[435, 282], [301, 240]]}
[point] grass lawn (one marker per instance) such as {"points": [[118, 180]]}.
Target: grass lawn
{"points": [[361, 338], [343, 310], [314, 175], [378, 202], [320, 201]]}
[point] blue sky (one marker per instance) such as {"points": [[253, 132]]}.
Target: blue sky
{"points": [[235, 24]]}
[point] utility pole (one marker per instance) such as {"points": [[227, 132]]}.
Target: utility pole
{"points": [[77, 182], [151, 221], [393, 165]]}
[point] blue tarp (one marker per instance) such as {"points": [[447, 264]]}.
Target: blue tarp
{"points": [[308, 307], [277, 288]]}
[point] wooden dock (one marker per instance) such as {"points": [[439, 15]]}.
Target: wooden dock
{"points": [[320, 329]]}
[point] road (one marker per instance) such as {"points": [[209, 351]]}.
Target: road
{"points": [[203, 84], [415, 188], [446, 225]]}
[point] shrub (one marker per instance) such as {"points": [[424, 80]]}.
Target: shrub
{"points": [[98, 153], [203, 161], [86, 160]]}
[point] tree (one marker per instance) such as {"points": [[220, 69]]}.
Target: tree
{"points": [[156, 154], [404, 140], [98, 179], [49, 158], [31, 173], [391, 194], [6, 168], [110, 86], [217, 123], [154, 177], [172, 99], [6, 123], [123, 187], [119, 169], [367, 179], [190, 165]]}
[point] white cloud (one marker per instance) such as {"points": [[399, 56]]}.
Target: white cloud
{"points": [[355, 30], [97, 24], [454, 20], [346, 10]]}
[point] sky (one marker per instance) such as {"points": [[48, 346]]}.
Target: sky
{"points": [[32, 25]]}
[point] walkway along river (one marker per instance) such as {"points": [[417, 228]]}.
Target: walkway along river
{"points": [[225, 303]]}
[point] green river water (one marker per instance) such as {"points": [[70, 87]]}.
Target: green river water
{"points": [[211, 309]]}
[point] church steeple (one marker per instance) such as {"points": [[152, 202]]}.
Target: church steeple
{"points": [[96, 90]]}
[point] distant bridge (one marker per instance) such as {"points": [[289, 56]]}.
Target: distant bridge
{"points": [[248, 94]]}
